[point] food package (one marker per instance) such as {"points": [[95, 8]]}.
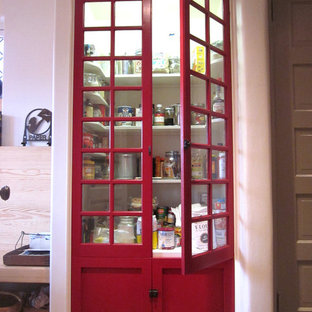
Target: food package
{"points": [[198, 59]]}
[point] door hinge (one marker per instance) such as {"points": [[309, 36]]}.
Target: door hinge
{"points": [[153, 293], [187, 144]]}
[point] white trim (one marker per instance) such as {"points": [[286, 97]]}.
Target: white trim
{"points": [[60, 277], [252, 156]]}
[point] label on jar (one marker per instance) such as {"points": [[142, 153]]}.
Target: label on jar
{"points": [[166, 238], [200, 235], [197, 167], [168, 169], [159, 119], [220, 232]]}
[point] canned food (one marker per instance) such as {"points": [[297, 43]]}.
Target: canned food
{"points": [[125, 111], [87, 140]]}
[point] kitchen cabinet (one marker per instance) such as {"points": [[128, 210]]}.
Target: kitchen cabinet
{"points": [[152, 135]]}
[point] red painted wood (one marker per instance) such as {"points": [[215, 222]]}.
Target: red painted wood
{"points": [[209, 290], [116, 285], [117, 277]]}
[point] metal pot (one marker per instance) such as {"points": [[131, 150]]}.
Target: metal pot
{"points": [[10, 302], [126, 166]]}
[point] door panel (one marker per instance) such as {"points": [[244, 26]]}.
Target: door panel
{"points": [[292, 124], [206, 161], [114, 285], [208, 290]]}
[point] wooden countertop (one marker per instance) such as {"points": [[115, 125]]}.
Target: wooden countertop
{"points": [[23, 274], [26, 170]]}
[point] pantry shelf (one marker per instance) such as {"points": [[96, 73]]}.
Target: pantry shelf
{"points": [[94, 98], [169, 253], [166, 181]]}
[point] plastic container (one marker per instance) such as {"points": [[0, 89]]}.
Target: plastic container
{"points": [[124, 234]]}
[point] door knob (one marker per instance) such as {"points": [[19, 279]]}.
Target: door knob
{"points": [[5, 192], [153, 293]]}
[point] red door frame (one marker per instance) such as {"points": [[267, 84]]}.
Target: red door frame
{"points": [[110, 250], [81, 253], [192, 263]]}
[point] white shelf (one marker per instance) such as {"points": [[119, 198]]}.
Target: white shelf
{"points": [[95, 127], [166, 181], [94, 98], [170, 253], [90, 67]]}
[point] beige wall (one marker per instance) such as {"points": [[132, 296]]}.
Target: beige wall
{"points": [[253, 250], [28, 56]]}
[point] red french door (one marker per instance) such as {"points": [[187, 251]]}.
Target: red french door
{"points": [[112, 203], [111, 172], [206, 159]]}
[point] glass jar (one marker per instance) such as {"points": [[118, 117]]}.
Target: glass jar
{"points": [[172, 167], [198, 118], [176, 118], [169, 116], [124, 234], [197, 165], [159, 116], [101, 234], [90, 80]]}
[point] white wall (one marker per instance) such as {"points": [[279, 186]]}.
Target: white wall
{"points": [[253, 186], [28, 55]]}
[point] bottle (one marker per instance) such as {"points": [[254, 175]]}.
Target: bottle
{"points": [[155, 238], [222, 165], [138, 113], [214, 165], [159, 117], [139, 230], [218, 102]]}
